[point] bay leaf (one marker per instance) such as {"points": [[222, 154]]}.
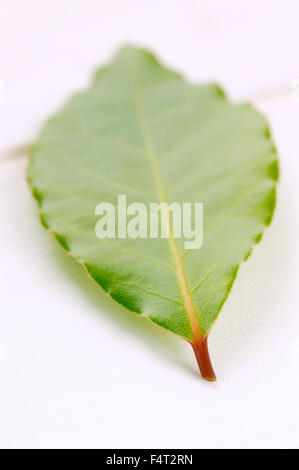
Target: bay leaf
{"points": [[142, 131]]}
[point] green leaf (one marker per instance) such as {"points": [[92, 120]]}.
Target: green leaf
{"points": [[141, 130]]}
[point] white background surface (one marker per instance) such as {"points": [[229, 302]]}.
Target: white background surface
{"points": [[76, 369]]}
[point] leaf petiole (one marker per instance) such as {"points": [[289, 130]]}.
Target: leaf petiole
{"points": [[201, 352]]}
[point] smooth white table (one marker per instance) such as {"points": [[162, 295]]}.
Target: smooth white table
{"points": [[76, 369]]}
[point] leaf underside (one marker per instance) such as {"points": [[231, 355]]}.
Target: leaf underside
{"points": [[141, 130]]}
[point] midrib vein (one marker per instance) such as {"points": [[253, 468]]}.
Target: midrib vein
{"points": [[179, 269]]}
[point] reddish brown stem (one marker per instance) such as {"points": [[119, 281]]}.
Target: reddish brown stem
{"points": [[201, 352]]}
